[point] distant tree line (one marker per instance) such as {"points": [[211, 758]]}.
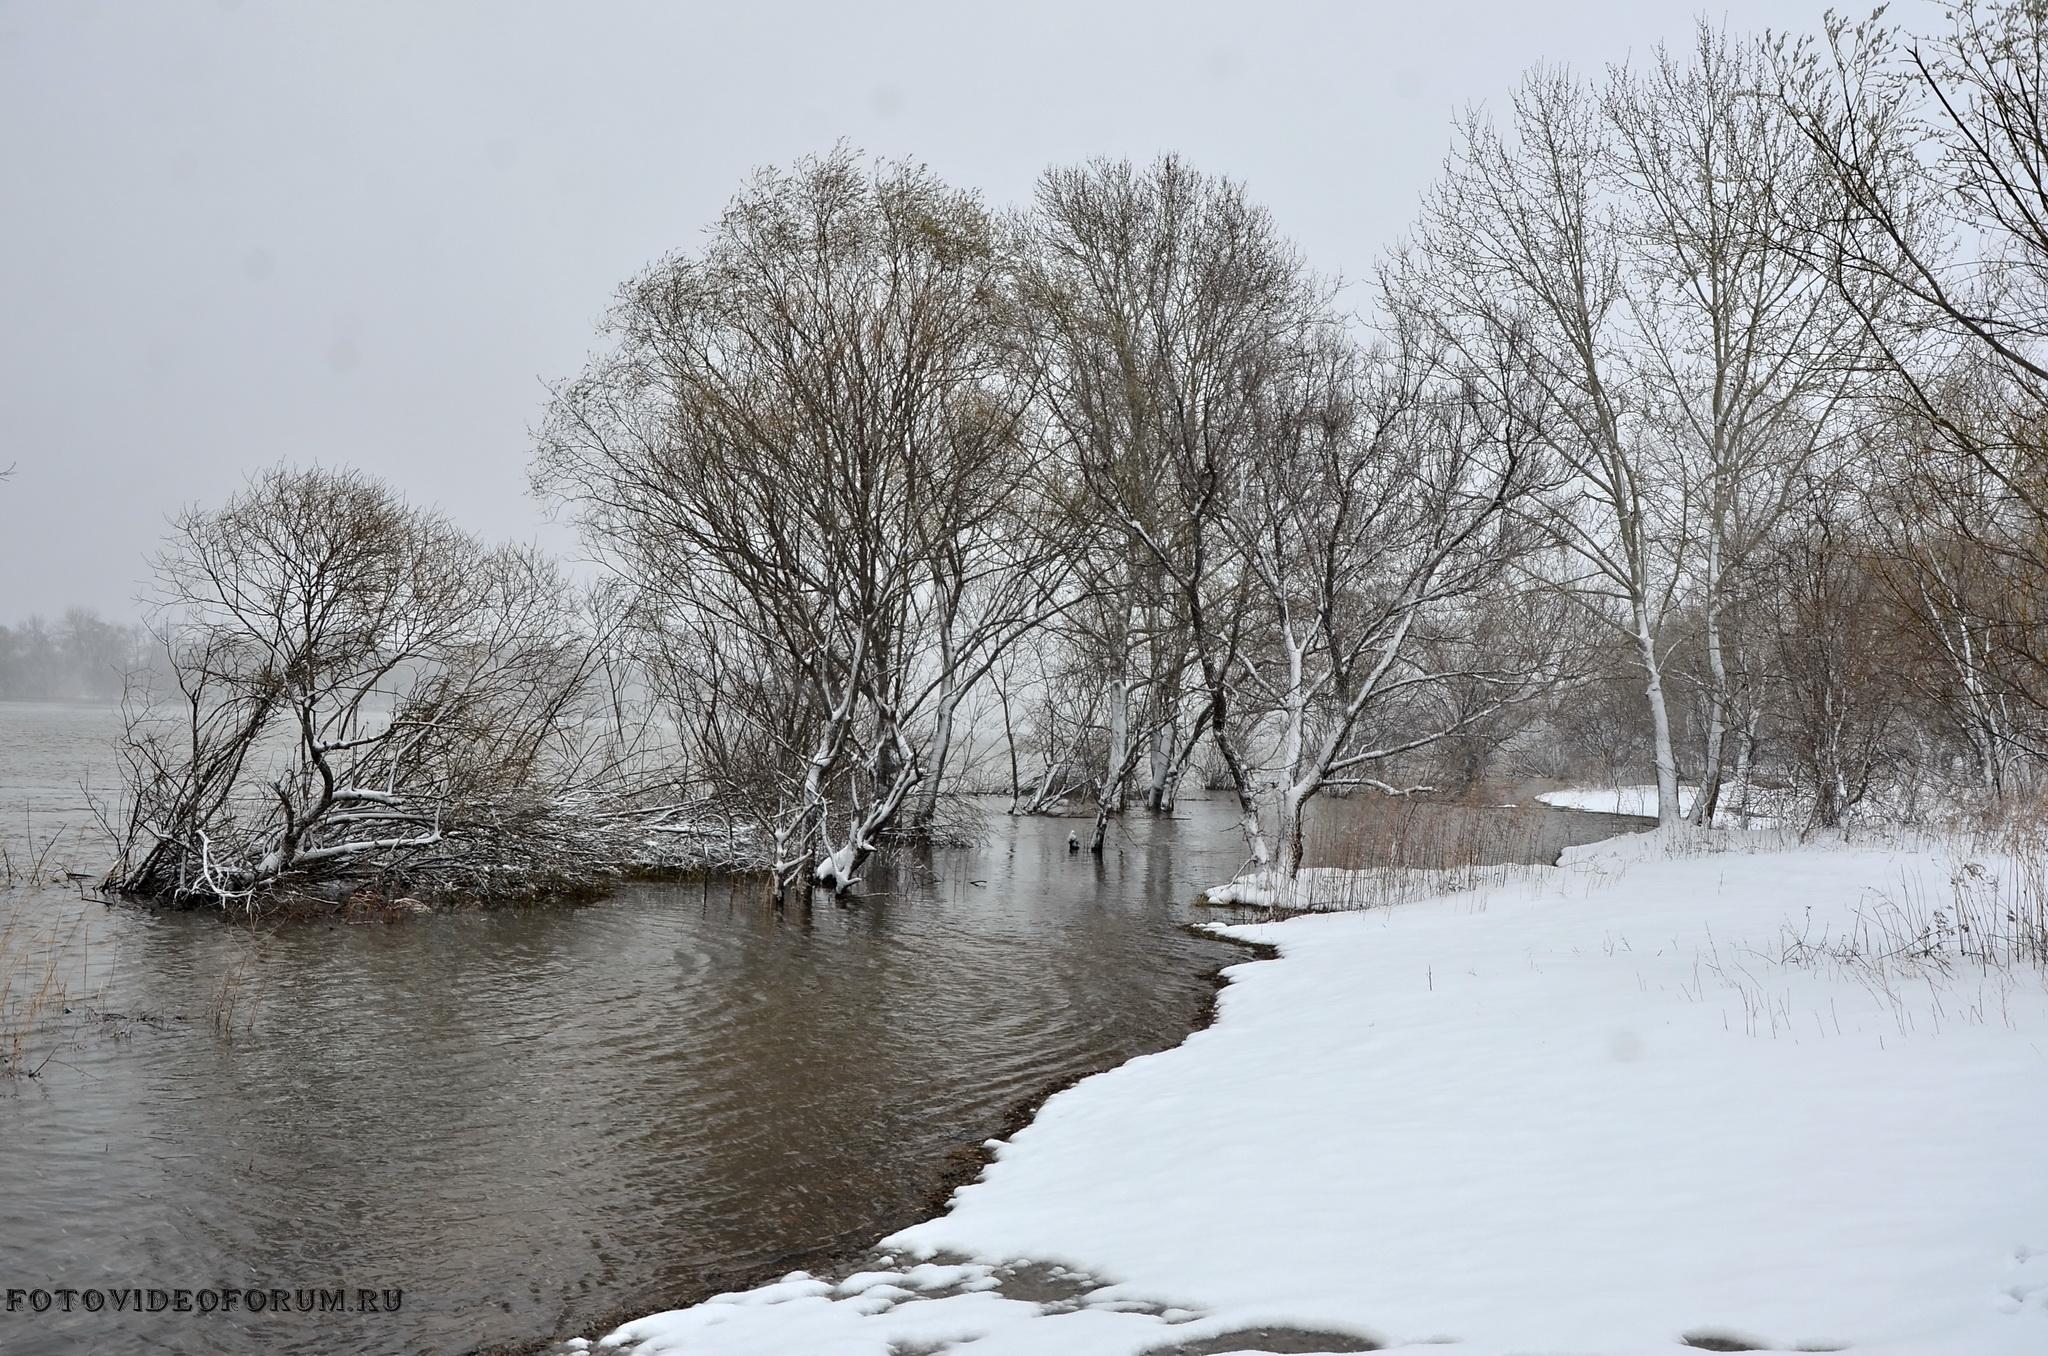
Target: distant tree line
{"points": [[80, 657], [1694, 432]]}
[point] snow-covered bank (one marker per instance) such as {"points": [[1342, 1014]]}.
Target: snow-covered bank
{"points": [[1755, 810], [1616, 800], [1641, 1099], [1332, 889]]}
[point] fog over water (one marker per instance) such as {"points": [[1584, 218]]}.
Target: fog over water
{"points": [[242, 233]]}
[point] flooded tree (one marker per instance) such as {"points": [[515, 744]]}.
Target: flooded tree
{"points": [[1155, 304], [1374, 523], [359, 695], [803, 448]]}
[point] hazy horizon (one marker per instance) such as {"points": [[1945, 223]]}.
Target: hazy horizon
{"points": [[242, 234]]}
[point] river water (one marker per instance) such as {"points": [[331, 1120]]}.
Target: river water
{"points": [[536, 1122]]}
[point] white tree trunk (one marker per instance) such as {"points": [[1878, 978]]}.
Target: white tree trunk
{"points": [[1668, 812], [1161, 764], [1109, 799], [942, 743], [1718, 698], [835, 871]]}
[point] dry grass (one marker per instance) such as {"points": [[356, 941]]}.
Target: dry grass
{"points": [[1963, 929], [1373, 831], [1374, 851], [44, 961], [45, 943], [231, 1010], [2006, 902], [1992, 911], [34, 863], [50, 998]]}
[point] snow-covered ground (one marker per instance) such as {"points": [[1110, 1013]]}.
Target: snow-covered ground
{"points": [[1334, 888], [1756, 810], [1615, 800], [1643, 1099]]}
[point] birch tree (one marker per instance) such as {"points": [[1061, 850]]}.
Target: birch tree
{"points": [[1746, 354], [1521, 252], [1641, 246]]}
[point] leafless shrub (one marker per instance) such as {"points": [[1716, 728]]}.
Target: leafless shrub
{"points": [[360, 695]]}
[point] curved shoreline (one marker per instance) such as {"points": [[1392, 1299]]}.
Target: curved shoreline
{"points": [[961, 1166], [965, 1163]]}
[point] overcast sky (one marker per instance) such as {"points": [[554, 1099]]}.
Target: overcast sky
{"points": [[357, 233]]}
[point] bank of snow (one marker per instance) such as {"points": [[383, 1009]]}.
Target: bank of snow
{"points": [[1751, 808], [1616, 800], [1638, 1100]]}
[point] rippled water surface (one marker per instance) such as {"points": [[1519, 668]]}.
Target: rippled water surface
{"points": [[536, 1121], [541, 1121]]}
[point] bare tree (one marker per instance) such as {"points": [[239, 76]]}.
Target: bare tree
{"points": [[1152, 302], [1960, 557], [1372, 521], [1836, 654], [363, 693], [1938, 151], [1749, 358], [1623, 253], [804, 448], [1521, 257]]}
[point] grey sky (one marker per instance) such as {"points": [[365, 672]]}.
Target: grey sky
{"points": [[365, 233]]}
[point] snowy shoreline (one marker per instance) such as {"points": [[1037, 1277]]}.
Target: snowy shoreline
{"points": [[1639, 801], [1659, 1095]]}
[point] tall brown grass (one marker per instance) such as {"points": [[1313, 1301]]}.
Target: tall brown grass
{"points": [[1372, 851], [1366, 831], [231, 1010], [44, 961]]}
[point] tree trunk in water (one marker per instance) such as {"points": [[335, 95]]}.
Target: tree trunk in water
{"points": [[1010, 742], [1110, 800], [1160, 769], [791, 864], [942, 743], [1098, 836], [835, 871], [1247, 801]]}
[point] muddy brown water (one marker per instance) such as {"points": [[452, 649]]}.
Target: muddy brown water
{"points": [[537, 1122]]}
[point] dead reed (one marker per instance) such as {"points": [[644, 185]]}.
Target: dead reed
{"points": [[45, 960], [1372, 851]]}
